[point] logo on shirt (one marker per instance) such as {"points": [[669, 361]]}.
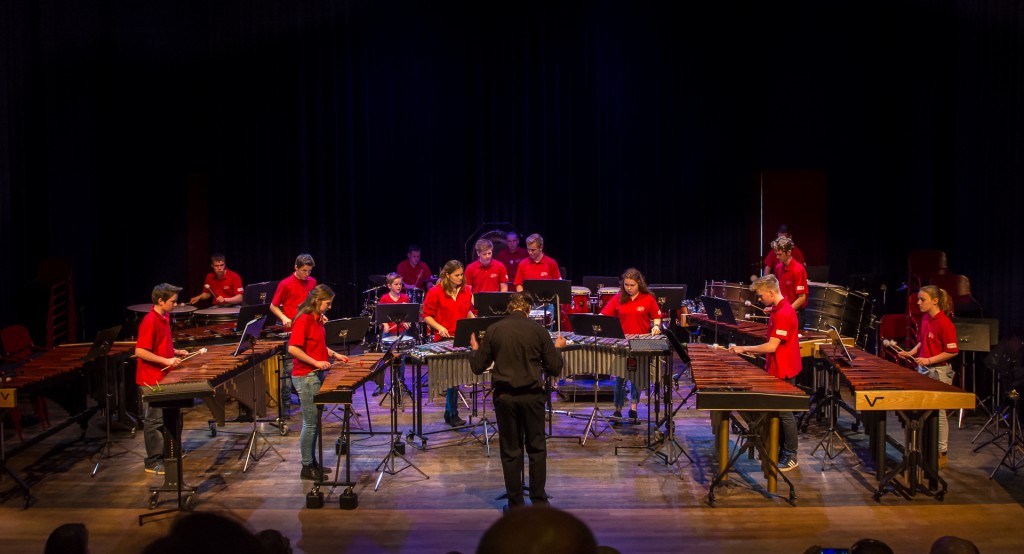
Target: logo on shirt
{"points": [[951, 345], [641, 308], [782, 332], [493, 275], [543, 273]]}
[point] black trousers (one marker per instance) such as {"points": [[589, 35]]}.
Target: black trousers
{"points": [[521, 423]]}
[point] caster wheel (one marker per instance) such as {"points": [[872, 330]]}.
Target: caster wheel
{"points": [[154, 499], [213, 429], [940, 496], [284, 429], [190, 503]]}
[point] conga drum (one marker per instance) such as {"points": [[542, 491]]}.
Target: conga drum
{"points": [[604, 296]]}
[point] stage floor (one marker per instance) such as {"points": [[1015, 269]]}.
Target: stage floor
{"points": [[633, 504]]}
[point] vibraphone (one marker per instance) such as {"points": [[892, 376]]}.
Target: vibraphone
{"points": [[615, 357], [878, 386], [724, 383], [62, 376], [447, 366], [339, 387]]}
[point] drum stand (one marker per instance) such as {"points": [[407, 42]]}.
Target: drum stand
{"points": [[396, 448], [249, 451]]}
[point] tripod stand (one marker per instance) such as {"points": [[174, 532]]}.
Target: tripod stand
{"points": [[396, 448], [1014, 457], [101, 349], [248, 342], [832, 444]]}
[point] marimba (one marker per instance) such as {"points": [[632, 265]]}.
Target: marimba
{"points": [[220, 333], [60, 375], [878, 386], [724, 382]]}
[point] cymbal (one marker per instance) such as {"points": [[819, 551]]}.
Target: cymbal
{"points": [[378, 279]]}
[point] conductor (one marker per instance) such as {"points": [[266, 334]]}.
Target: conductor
{"points": [[522, 352]]}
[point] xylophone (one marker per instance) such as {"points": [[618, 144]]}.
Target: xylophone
{"points": [[724, 382], [62, 376], [878, 386]]}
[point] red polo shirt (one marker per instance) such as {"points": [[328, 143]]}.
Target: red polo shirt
{"points": [[487, 278], [445, 310], [308, 333], [636, 314], [414, 276], [938, 335], [155, 336], [290, 293], [792, 280], [227, 287], [546, 268], [785, 362], [511, 258]]}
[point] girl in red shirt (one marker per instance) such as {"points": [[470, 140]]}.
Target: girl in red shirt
{"points": [[446, 303]]}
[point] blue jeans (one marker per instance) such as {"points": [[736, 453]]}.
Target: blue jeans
{"points": [[619, 397], [451, 401], [307, 387], [286, 384], [943, 373]]}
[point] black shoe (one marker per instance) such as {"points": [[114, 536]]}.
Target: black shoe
{"points": [[378, 392], [447, 417], [456, 421], [632, 414], [617, 413], [311, 473], [324, 470]]}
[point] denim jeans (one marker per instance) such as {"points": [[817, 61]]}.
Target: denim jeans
{"points": [[451, 401], [942, 373], [286, 384], [307, 387], [619, 396]]}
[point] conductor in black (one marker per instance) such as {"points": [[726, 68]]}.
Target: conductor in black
{"points": [[522, 352]]}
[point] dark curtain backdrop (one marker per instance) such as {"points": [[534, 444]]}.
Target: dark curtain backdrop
{"points": [[138, 137]]}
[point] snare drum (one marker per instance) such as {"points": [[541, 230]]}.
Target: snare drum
{"points": [[405, 342], [415, 296], [604, 296], [541, 316], [211, 316], [580, 300]]}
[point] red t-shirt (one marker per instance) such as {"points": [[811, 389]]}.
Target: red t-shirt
{"points": [[785, 362], [546, 268], [386, 299], [308, 333], [635, 315], [511, 259], [486, 279], [771, 260], [445, 310], [792, 280], [414, 276], [938, 335], [227, 287], [290, 293], [155, 336]]}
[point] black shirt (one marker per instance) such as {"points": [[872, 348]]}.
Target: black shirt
{"points": [[522, 352]]}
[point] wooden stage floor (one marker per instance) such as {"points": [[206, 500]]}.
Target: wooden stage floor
{"points": [[632, 504]]}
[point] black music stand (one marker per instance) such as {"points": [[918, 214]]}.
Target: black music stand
{"points": [[100, 347], [258, 293], [595, 283], [550, 291], [670, 301], [833, 444], [248, 313], [718, 310], [596, 326], [397, 314], [491, 303], [396, 448], [250, 335], [974, 337], [464, 328]]}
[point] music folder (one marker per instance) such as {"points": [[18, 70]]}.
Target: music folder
{"points": [[590, 325], [717, 309], [472, 325]]}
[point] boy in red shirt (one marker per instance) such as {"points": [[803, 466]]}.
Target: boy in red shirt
{"points": [[486, 274], [291, 292]]}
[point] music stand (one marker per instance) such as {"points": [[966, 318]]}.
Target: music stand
{"points": [[249, 313], [346, 331], [974, 336], [596, 283], [719, 311], [491, 303], [100, 347], [397, 314], [258, 293], [669, 297], [250, 335], [550, 291], [477, 325], [596, 326]]}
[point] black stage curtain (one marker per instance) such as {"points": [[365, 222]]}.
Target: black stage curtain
{"points": [[140, 137]]}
